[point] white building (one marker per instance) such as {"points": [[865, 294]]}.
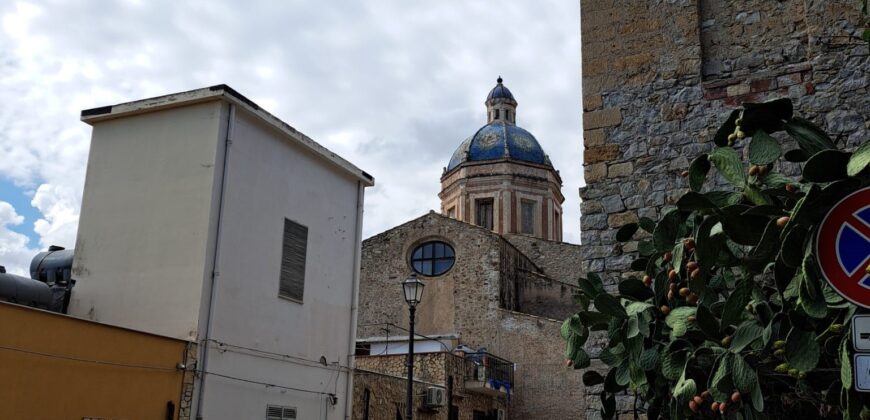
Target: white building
{"points": [[206, 218]]}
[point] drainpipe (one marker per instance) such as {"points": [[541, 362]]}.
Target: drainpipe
{"points": [[215, 273], [354, 308]]}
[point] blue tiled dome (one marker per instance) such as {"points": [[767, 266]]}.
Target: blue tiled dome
{"points": [[499, 140]]}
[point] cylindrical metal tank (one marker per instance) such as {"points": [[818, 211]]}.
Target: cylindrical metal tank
{"points": [[25, 291], [52, 266]]}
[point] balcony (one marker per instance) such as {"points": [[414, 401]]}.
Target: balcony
{"points": [[488, 374]]}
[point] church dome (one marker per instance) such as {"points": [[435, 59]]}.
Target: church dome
{"points": [[500, 138]]}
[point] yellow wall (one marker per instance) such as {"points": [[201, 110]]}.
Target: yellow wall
{"points": [[37, 387]]}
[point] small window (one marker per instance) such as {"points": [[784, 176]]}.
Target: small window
{"points": [[292, 281], [451, 212], [484, 212], [528, 216], [507, 114], [432, 258], [276, 412], [367, 395], [496, 114]]}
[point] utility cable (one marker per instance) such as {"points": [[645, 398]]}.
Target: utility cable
{"points": [[266, 384], [277, 356], [416, 334], [99, 362]]}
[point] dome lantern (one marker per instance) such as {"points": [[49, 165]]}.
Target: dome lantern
{"points": [[500, 104]]}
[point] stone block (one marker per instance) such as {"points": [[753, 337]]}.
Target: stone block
{"points": [[588, 207], [620, 219], [594, 221], [600, 153], [762, 85], [619, 263], [594, 67], [840, 121], [594, 172], [612, 204], [608, 117], [600, 251], [596, 265], [634, 202], [593, 137], [788, 79], [680, 163], [591, 102], [736, 90], [619, 170], [676, 111]]}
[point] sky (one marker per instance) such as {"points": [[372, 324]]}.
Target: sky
{"points": [[393, 86]]}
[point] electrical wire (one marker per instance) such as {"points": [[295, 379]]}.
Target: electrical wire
{"points": [[103, 362], [278, 356], [99, 362], [416, 334], [266, 384]]}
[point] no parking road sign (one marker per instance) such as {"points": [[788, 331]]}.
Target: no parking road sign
{"points": [[843, 247]]}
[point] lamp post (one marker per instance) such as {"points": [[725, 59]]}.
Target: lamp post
{"points": [[413, 289]]}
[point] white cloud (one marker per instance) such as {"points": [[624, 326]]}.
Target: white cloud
{"points": [[393, 86], [15, 254], [60, 210]]}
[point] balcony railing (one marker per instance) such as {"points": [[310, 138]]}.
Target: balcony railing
{"points": [[488, 373]]}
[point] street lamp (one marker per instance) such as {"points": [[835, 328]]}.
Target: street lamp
{"points": [[413, 289]]}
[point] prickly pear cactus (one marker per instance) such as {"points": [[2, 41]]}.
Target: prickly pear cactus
{"points": [[730, 316]]}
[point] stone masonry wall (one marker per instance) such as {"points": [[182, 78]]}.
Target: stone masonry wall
{"points": [[387, 397], [385, 378], [559, 260], [467, 301], [660, 76], [428, 367]]}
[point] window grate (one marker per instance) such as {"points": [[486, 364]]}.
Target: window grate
{"points": [[276, 412], [292, 281]]}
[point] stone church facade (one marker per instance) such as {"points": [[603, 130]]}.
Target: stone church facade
{"points": [[498, 285], [659, 77]]}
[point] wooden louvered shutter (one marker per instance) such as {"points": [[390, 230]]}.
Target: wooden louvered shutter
{"points": [[292, 283]]}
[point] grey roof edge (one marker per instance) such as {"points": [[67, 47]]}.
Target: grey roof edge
{"points": [[225, 92]]}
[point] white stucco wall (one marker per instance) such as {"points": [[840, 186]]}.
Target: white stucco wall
{"points": [[141, 253], [169, 201], [270, 178]]}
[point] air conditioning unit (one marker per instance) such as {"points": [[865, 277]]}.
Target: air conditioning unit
{"points": [[435, 396], [501, 414]]}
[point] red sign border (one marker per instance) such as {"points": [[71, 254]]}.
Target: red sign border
{"points": [[828, 256]]}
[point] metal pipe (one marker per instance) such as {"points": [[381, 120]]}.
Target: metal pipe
{"points": [[354, 309], [215, 273], [409, 397]]}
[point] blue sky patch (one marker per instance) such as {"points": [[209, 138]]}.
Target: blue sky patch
{"points": [[20, 200]]}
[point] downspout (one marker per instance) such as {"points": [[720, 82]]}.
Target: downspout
{"points": [[215, 273], [354, 308]]}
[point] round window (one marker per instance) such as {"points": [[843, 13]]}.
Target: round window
{"points": [[432, 258]]}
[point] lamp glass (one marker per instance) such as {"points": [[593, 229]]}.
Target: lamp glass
{"points": [[413, 289]]}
